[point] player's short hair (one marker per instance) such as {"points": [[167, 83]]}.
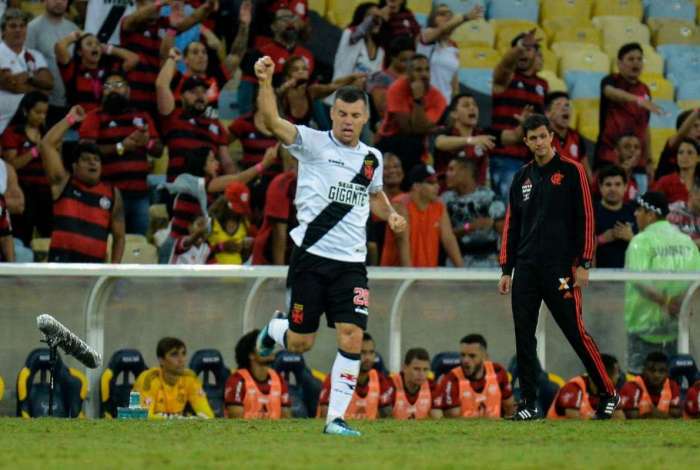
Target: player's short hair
{"points": [[167, 344], [367, 337], [416, 353], [244, 347], [627, 48], [535, 121], [611, 171], [656, 357], [609, 362], [627, 135], [86, 147], [552, 97], [474, 338], [186, 50], [468, 164], [455, 100], [351, 94]]}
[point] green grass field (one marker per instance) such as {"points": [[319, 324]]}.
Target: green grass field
{"points": [[46, 443]]}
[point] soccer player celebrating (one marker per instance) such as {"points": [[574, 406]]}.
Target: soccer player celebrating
{"points": [[339, 182], [548, 239]]}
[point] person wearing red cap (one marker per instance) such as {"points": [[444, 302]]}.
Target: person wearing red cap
{"points": [[230, 239]]}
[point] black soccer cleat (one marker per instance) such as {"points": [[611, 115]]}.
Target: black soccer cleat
{"points": [[607, 406], [527, 412]]}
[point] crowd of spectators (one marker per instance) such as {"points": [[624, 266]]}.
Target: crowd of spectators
{"points": [[137, 90]]}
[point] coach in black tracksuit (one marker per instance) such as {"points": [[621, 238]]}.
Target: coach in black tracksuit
{"points": [[548, 240]]}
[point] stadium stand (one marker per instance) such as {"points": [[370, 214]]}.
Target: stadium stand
{"points": [[2, 388], [118, 379], [33, 385], [304, 387], [514, 9], [684, 370], [208, 365], [444, 362]]}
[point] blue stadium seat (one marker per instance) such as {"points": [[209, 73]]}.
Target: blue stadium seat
{"points": [[547, 388], [118, 379], [681, 9], [514, 9], [669, 120], [70, 388], [209, 366], [683, 369], [683, 67], [444, 362], [228, 105], [379, 364], [669, 51], [422, 19], [305, 389], [688, 91], [479, 80], [583, 85], [460, 7]]}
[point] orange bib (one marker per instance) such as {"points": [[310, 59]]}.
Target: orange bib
{"points": [[585, 409], [367, 407], [257, 405], [485, 404], [646, 405], [403, 409]]}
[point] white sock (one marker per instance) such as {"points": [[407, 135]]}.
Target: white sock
{"points": [[277, 330], [343, 381]]}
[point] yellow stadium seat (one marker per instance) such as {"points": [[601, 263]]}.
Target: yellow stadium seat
{"points": [[339, 12], [551, 26], [478, 58], [564, 48], [633, 8], [588, 123], [140, 253], [688, 104], [135, 238], [617, 34], [658, 142], [586, 60], [2, 388], [677, 34], [35, 8], [550, 9], [653, 61], [554, 83], [319, 6], [522, 25], [550, 60], [661, 89], [578, 34], [505, 35], [160, 165], [655, 24], [422, 7], [475, 33], [40, 247]]}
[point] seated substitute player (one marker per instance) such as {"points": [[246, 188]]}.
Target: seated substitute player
{"points": [[578, 399], [692, 402], [652, 394], [479, 387], [168, 389], [255, 390], [340, 181], [374, 392], [415, 395]]}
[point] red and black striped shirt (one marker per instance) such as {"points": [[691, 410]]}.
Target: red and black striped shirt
{"points": [[82, 218], [127, 172], [523, 90], [84, 85], [142, 78], [254, 143], [186, 209], [183, 134], [216, 84], [32, 174], [571, 146]]}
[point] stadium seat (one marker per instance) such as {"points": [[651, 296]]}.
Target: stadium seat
{"points": [[683, 369], [477, 80], [319, 6], [135, 238], [505, 34], [554, 83], [34, 8], [669, 51], [479, 57], [584, 85], [379, 364], [459, 7], [547, 384], [550, 60], [681, 68], [681, 9], [475, 33], [588, 121], [685, 105], [658, 141], [655, 24], [2, 388], [615, 35], [562, 49], [208, 365], [689, 90], [551, 26], [661, 89], [118, 379], [40, 247], [339, 12], [70, 388], [444, 362], [578, 34], [421, 19], [668, 120], [514, 9], [228, 104], [677, 33], [633, 8], [585, 60], [422, 7], [139, 253], [305, 389], [550, 9]]}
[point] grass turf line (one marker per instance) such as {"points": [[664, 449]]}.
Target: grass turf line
{"points": [[93, 444]]}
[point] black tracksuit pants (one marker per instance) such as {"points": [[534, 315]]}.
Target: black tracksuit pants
{"points": [[531, 285]]}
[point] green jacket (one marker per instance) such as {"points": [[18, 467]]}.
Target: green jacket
{"points": [[660, 247]]}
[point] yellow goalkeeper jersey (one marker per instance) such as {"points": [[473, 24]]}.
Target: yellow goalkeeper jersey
{"points": [[161, 398]]}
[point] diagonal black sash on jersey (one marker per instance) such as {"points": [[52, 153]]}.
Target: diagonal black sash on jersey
{"points": [[110, 23], [336, 211]]}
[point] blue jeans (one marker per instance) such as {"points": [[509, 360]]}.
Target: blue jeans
{"points": [[502, 170], [136, 212]]}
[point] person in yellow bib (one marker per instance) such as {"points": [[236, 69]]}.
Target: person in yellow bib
{"points": [[168, 389]]}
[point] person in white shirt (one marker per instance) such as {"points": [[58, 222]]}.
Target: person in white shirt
{"points": [[339, 182], [358, 50], [21, 70]]}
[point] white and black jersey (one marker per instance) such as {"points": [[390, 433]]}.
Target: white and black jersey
{"points": [[333, 189]]}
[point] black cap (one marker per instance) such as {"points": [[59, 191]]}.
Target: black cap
{"points": [[422, 173], [654, 201], [194, 82]]}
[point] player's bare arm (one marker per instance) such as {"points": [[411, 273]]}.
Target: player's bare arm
{"points": [[381, 207], [284, 130]]}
